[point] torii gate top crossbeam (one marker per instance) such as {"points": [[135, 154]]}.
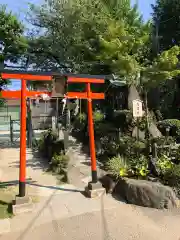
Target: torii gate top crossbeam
{"points": [[17, 74]]}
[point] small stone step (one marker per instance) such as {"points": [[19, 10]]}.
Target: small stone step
{"points": [[22, 208]]}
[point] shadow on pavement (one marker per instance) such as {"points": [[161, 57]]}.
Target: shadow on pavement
{"points": [[13, 183], [29, 181], [32, 222], [54, 187]]}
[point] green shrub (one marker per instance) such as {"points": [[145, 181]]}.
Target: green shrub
{"points": [[164, 164], [58, 147], [162, 143], [172, 124], [164, 140], [131, 148], [82, 117], [80, 122], [108, 146], [176, 154], [172, 176], [46, 142], [59, 164], [104, 129], [126, 146], [118, 167], [123, 119], [139, 165], [98, 117], [122, 167]]}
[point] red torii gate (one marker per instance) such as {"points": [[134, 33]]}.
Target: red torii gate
{"points": [[24, 93]]}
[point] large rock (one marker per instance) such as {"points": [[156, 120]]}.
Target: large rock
{"points": [[108, 183], [146, 193]]}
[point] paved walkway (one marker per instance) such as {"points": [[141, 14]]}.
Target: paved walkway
{"points": [[71, 216], [36, 172], [63, 212]]}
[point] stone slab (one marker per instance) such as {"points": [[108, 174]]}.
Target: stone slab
{"points": [[22, 208], [95, 193], [22, 205], [22, 200], [94, 186]]}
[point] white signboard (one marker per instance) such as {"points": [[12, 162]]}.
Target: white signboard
{"points": [[137, 108]]}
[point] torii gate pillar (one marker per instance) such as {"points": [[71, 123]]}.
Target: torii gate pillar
{"points": [[94, 187]]}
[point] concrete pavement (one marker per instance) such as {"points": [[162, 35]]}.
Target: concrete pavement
{"points": [[71, 216]]}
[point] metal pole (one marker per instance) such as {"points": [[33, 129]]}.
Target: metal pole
{"points": [[22, 172], [57, 111], [91, 135], [11, 130]]}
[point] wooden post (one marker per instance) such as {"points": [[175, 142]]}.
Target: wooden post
{"points": [[22, 173], [89, 96], [22, 94], [91, 135]]}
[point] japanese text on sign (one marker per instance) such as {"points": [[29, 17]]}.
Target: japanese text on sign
{"points": [[137, 108]]}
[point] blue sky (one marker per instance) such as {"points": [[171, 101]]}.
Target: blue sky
{"points": [[19, 8]]}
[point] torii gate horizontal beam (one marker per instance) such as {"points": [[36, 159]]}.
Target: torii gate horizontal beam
{"points": [[84, 80], [84, 95], [26, 77], [52, 73], [17, 94]]}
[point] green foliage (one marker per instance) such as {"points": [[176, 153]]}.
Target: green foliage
{"points": [[82, 117], [109, 146], [64, 45], [164, 164], [165, 146], [59, 165], [113, 39], [118, 167], [160, 141], [12, 39], [131, 148], [172, 177], [80, 121], [58, 147], [172, 124], [140, 166], [11, 34], [166, 27], [46, 143], [123, 119], [98, 117], [122, 167], [59, 162], [166, 20]]}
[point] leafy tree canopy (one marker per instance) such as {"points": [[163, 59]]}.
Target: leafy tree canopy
{"points": [[12, 42], [99, 37], [166, 23], [11, 36]]}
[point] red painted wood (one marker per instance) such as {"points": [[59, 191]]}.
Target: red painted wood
{"points": [[17, 94], [84, 80], [22, 172], [91, 129], [83, 95], [28, 77]]}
